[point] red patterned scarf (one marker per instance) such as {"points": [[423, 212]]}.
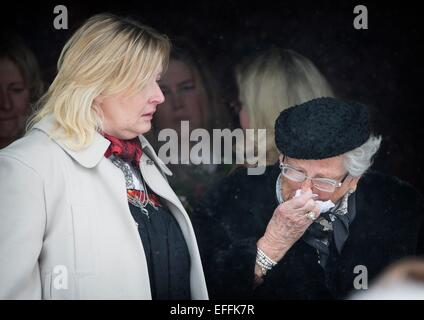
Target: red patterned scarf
{"points": [[127, 150], [130, 151]]}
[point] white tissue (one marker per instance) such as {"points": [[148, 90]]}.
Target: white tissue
{"points": [[323, 205]]}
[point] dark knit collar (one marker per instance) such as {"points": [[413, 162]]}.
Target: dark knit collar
{"points": [[321, 237]]}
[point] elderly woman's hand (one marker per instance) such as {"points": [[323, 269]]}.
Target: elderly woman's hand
{"points": [[288, 223]]}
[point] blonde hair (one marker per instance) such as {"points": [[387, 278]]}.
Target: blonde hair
{"points": [[106, 55], [273, 81]]}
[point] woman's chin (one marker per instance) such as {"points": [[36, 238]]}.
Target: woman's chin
{"points": [[145, 127]]}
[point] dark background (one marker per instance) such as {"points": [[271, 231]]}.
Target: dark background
{"points": [[381, 66]]}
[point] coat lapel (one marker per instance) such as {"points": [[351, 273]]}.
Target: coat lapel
{"points": [[157, 182]]}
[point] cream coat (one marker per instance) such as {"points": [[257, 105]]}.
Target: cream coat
{"points": [[66, 231]]}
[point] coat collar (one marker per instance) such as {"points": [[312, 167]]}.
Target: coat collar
{"points": [[94, 153], [147, 148]]}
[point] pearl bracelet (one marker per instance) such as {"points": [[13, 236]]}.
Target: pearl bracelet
{"points": [[264, 262]]}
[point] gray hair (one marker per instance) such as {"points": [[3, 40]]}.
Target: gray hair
{"points": [[359, 160]]}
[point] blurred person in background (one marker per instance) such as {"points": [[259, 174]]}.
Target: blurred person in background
{"points": [[269, 82], [191, 94], [20, 86], [402, 280]]}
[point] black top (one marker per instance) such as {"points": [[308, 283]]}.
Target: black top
{"points": [[167, 255], [389, 215]]}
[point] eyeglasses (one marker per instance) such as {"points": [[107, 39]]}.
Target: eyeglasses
{"points": [[323, 184]]}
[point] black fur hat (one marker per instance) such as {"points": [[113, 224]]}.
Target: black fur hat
{"points": [[321, 128]]}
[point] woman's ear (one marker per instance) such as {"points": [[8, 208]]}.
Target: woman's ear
{"points": [[99, 99], [353, 183], [349, 185]]}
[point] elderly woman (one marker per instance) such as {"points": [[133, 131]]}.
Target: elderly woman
{"points": [[87, 212], [316, 225]]}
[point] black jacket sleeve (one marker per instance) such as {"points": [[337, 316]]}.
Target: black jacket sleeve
{"points": [[226, 241]]}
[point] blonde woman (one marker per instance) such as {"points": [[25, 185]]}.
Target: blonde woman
{"points": [[271, 82], [87, 212]]}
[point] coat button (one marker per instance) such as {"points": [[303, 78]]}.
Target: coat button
{"points": [[149, 162]]}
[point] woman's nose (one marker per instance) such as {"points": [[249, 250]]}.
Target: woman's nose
{"points": [[307, 184], [158, 96]]}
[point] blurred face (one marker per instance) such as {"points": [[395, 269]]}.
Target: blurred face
{"points": [[184, 98], [127, 116], [14, 101], [330, 168]]}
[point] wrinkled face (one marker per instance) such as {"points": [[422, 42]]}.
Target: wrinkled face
{"points": [[14, 100], [127, 116], [184, 98], [330, 168]]}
